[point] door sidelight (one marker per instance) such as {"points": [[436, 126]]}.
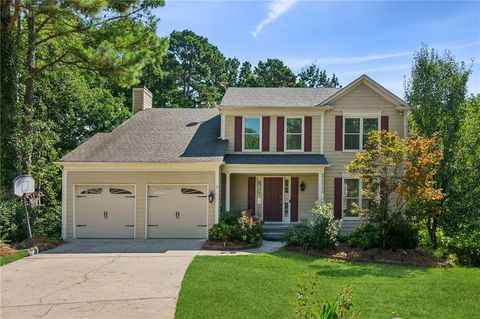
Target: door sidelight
{"points": [[105, 215], [177, 215]]}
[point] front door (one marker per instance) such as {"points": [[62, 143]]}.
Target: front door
{"points": [[272, 199]]}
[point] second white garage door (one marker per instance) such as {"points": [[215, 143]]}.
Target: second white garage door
{"points": [[177, 212]]}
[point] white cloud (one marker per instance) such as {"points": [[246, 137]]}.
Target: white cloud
{"points": [[302, 61], [275, 9]]}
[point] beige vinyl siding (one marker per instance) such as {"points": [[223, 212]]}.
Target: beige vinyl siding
{"points": [[306, 199], [361, 99], [140, 180], [230, 126]]}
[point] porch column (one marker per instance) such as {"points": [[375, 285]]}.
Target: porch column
{"points": [[227, 192], [321, 192], [217, 195]]}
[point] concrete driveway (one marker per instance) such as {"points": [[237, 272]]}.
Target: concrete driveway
{"points": [[98, 279]]}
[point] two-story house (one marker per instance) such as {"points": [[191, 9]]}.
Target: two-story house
{"points": [[172, 173]]}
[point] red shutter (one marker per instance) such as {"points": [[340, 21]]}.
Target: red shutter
{"points": [[265, 133], [280, 130], [337, 198], [251, 194], [294, 200], [307, 147], [384, 124], [238, 134], [338, 133]]}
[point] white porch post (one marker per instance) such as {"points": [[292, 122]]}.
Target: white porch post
{"points": [[321, 192], [217, 195], [227, 192]]}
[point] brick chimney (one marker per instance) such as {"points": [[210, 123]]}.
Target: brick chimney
{"points": [[141, 99]]}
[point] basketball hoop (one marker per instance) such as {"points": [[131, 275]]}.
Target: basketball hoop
{"points": [[34, 199]]}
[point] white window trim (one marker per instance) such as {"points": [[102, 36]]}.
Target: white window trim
{"points": [[285, 133], [361, 117], [259, 134], [360, 185]]}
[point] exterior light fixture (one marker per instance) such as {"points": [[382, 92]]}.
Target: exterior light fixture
{"points": [[302, 186], [211, 196]]}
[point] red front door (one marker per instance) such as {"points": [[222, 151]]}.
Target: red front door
{"points": [[272, 199]]}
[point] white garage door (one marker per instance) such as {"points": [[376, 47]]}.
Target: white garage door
{"points": [[105, 211], [177, 212]]}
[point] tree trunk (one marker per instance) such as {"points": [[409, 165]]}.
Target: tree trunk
{"points": [[8, 96], [29, 88], [432, 224]]}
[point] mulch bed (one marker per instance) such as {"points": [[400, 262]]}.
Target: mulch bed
{"points": [[42, 243], [229, 245], [7, 250], [414, 257]]}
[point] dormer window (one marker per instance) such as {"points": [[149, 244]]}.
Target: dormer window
{"points": [[251, 133]]}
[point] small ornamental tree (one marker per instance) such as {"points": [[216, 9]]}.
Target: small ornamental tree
{"points": [[396, 173], [418, 188], [381, 169]]}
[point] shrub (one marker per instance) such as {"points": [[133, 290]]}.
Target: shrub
{"points": [[320, 232], [250, 228], [230, 218], [402, 234], [221, 231], [245, 228], [466, 246], [300, 234], [365, 236]]}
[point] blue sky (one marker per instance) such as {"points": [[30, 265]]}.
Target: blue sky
{"points": [[348, 38]]}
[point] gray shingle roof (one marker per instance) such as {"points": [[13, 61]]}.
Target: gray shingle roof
{"points": [[157, 135], [279, 159], [275, 97]]}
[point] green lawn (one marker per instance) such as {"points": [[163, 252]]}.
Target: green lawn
{"points": [[8, 259], [264, 286]]}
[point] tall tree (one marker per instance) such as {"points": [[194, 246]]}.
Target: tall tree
{"points": [[9, 62], [274, 73], [463, 203], [232, 69], [436, 91], [245, 76], [312, 77], [195, 73], [110, 37]]}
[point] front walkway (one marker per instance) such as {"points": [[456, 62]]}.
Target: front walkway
{"points": [[101, 279]]}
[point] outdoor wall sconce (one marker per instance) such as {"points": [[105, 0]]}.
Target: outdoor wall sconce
{"points": [[211, 196], [302, 186]]}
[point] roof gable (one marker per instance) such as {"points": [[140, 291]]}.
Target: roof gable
{"points": [[365, 79]]}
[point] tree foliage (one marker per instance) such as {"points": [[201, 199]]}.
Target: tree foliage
{"points": [[437, 91], [394, 173], [312, 77]]}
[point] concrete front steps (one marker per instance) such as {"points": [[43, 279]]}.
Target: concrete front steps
{"points": [[275, 230]]}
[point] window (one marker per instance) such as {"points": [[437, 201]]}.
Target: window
{"points": [[356, 132], [251, 134], [191, 191], [120, 191], [293, 134], [286, 196], [352, 196], [92, 191]]}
